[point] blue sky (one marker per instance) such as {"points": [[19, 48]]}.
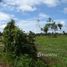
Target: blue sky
{"points": [[27, 12]]}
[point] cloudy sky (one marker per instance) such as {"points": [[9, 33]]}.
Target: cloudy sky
{"points": [[27, 12]]}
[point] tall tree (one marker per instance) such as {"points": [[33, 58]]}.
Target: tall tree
{"points": [[46, 28], [8, 36], [16, 41]]}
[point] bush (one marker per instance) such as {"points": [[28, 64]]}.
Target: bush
{"points": [[18, 43]]}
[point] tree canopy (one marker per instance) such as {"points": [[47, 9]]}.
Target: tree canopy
{"points": [[52, 25], [17, 42]]}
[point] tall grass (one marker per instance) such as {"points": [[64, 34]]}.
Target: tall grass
{"points": [[56, 46]]}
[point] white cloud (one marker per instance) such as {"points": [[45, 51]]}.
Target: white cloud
{"points": [[30, 5], [4, 18], [2, 26], [64, 1], [65, 10], [35, 26], [64, 28], [63, 22], [51, 3], [43, 15], [28, 25], [23, 5], [26, 8]]}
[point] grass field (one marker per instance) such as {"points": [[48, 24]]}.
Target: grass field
{"points": [[55, 49]]}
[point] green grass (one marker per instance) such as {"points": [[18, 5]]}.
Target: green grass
{"points": [[49, 45], [56, 46]]}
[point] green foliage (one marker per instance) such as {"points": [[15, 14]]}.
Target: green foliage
{"points": [[26, 61], [23, 61], [40, 63], [46, 28], [60, 26], [31, 37], [9, 36], [18, 43], [57, 46], [52, 26]]}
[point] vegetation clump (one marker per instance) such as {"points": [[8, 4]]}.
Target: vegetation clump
{"points": [[18, 43]]}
